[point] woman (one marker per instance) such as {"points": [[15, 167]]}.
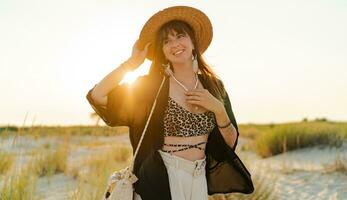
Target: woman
{"points": [[188, 148]]}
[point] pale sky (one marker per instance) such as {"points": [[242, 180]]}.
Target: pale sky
{"points": [[280, 60]]}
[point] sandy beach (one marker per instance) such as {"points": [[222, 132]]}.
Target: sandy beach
{"points": [[309, 173]]}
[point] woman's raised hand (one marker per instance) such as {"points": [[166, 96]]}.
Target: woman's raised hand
{"points": [[138, 56]]}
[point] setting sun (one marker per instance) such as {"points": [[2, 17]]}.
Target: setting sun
{"points": [[131, 76]]}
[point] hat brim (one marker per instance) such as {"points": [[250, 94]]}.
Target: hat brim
{"points": [[195, 18]]}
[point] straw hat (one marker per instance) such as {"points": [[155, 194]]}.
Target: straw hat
{"points": [[192, 16]]}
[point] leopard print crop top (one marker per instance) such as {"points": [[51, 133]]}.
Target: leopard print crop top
{"points": [[180, 122]]}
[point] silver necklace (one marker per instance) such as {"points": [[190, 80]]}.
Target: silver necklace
{"points": [[185, 88]]}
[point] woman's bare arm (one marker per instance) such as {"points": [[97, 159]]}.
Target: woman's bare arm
{"points": [[111, 80]]}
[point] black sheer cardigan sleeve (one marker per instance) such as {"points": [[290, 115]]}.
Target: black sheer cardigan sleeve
{"points": [[121, 103]]}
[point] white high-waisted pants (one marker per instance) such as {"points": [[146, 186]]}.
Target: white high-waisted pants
{"points": [[187, 178]]}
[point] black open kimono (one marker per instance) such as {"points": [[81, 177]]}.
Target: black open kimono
{"points": [[130, 106]]}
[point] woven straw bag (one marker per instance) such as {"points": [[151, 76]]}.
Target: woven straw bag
{"points": [[120, 183]]}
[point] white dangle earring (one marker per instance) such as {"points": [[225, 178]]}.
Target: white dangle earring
{"points": [[195, 64]]}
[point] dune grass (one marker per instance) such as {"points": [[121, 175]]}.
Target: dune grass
{"points": [[340, 165], [50, 161], [93, 178], [39, 131], [287, 137], [6, 161], [19, 186], [254, 130]]}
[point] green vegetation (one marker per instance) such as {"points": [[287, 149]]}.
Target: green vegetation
{"points": [[49, 162], [270, 140], [19, 186], [39, 131], [6, 161], [92, 184]]}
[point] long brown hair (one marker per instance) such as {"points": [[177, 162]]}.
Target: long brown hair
{"points": [[180, 27]]}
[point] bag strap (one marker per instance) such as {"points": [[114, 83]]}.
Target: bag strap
{"points": [[144, 130], [125, 172]]}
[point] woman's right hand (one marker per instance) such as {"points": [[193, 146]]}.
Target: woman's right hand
{"points": [[138, 56]]}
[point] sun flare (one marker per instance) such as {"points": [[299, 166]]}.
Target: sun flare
{"points": [[131, 76]]}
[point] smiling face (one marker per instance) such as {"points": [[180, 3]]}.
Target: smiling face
{"points": [[178, 47], [175, 43]]}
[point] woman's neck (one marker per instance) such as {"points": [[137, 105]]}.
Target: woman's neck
{"points": [[184, 73]]}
